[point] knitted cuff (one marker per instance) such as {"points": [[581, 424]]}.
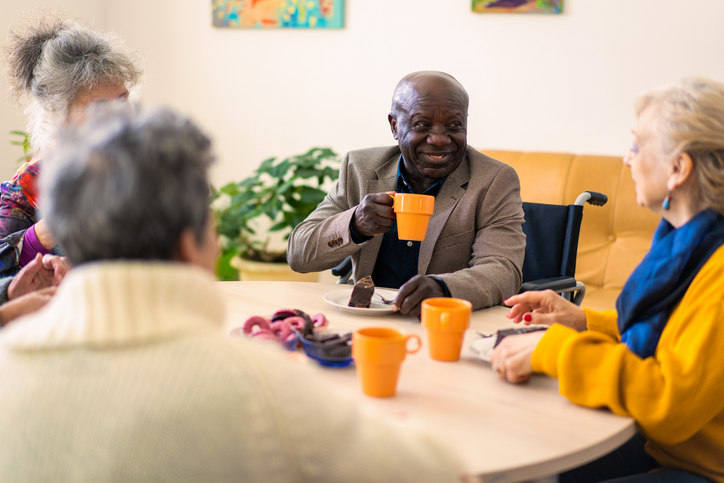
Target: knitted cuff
{"points": [[545, 355], [605, 322], [31, 246]]}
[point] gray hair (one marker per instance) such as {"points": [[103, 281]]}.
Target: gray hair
{"points": [[691, 120], [51, 60], [126, 185]]}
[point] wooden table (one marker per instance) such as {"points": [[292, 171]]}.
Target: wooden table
{"points": [[502, 432]]}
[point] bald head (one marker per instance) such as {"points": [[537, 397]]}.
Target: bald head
{"points": [[429, 121], [427, 83]]}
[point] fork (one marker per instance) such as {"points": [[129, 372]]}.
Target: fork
{"points": [[384, 300]]}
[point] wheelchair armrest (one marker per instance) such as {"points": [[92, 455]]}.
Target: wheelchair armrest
{"points": [[557, 284], [343, 268]]}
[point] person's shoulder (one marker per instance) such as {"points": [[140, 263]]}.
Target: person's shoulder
{"points": [[482, 165], [265, 368], [363, 163], [248, 355], [706, 291], [23, 188], [381, 152], [31, 169], [476, 157], [713, 270], [707, 287]]}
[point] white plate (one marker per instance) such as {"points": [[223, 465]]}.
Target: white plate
{"points": [[483, 347], [340, 299]]}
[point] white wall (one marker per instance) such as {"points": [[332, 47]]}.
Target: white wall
{"points": [[536, 82]]}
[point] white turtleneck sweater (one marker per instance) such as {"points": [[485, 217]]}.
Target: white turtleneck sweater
{"points": [[124, 376]]}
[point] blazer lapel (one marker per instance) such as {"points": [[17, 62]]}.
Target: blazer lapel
{"points": [[445, 201]]}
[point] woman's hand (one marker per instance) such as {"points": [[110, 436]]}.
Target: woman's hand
{"points": [[25, 304], [511, 359], [545, 308], [41, 272]]}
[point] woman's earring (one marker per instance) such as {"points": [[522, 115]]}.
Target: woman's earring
{"points": [[667, 202]]}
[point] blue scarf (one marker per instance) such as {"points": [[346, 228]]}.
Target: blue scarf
{"points": [[660, 281]]}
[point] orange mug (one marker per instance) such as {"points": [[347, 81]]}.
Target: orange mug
{"points": [[446, 320], [378, 353], [413, 214]]}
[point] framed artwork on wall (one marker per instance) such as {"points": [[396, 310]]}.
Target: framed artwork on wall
{"points": [[517, 6], [275, 14]]}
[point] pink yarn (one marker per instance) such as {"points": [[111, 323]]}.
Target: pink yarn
{"points": [[319, 321], [297, 322], [256, 321], [264, 335], [280, 330]]}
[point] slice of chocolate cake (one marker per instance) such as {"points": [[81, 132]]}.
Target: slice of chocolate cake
{"points": [[362, 293]]}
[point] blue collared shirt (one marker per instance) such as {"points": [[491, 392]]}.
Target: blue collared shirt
{"points": [[397, 260]]}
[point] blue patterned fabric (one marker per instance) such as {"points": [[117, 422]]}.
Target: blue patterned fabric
{"points": [[660, 281]]}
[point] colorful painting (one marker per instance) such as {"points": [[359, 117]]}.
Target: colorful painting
{"points": [[273, 14], [517, 6]]}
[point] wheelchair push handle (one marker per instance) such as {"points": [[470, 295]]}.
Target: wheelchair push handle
{"points": [[592, 197]]}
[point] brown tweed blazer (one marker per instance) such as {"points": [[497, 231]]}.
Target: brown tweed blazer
{"points": [[474, 242]]}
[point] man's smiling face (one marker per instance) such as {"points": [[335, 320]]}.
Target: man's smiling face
{"points": [[429, 121]]}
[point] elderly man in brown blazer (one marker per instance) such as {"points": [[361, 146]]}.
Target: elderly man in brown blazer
{"points": [[475, 244]]}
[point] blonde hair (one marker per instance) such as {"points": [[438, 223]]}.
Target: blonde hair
{"points": [[51, 60], [691, 120]]}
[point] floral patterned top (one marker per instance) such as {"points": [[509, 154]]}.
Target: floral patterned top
{"points": [[18, 212]]}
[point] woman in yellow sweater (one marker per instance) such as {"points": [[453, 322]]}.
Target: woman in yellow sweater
{"points": [[659, 358]]}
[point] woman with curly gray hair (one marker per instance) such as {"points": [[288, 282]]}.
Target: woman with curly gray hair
{"points": [[56, 68]]}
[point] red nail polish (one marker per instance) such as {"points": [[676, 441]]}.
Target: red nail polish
{"points": [[527, 317]]}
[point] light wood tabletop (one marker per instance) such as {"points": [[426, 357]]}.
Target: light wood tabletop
{"points": [[501, 432]]}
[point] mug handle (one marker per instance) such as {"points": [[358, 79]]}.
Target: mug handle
{"points": [[419, 343]]}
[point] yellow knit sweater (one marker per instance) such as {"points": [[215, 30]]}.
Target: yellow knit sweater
{"points": [[676, 396]]}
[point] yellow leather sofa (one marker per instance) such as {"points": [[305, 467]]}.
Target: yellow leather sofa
{"points": [[614, 238]]}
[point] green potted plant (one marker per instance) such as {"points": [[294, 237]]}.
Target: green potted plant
{"points": [[25, 143], [276, 198]]}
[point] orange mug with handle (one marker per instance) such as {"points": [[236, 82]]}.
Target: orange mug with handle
{"points": [[445, 319], [413, 213], [378, 353]]}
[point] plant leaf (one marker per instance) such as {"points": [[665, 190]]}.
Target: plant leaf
{"points": [[248, 182], [265, 166], [280, 170], [285, 191], [312, 196], [224, 270], [229, 189], [279, 226]]}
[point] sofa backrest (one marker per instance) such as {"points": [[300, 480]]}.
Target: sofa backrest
{"points": [[614, 238]]}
